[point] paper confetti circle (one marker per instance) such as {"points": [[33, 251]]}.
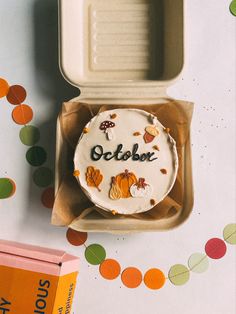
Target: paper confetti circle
{"points": [[36, 156], [131, 277], [29, 135], [22, 114], [233, 7], [14, 187], [16, 94], [198, 263], [95, 254], [215, 248], [48, 198], [229, 234], [76, 238], [109, 269], [43, 177], [179, 275], [154, 279], [4, 88], [7, 188]]}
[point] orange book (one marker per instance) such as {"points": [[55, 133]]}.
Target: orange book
{"points": [[36, 280]]}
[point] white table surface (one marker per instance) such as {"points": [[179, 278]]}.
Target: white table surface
{"points": [[28, 56]]}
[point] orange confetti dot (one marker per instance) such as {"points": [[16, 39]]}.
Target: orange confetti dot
{"points": [[76, 238], [156, 147], [85, 130], [109, 269], [16, 94], [4, 88], [113, 116], [163, 171], [152, 202], [48, 198], [76, 173], [154, 279], [22, 114], [131, 277]]}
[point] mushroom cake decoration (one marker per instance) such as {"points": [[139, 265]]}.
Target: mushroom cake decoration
{"points": [[121, 161], [107, 127]]}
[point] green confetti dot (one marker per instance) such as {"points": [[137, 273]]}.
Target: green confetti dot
{"points": [[6, 188], [198, 263], [95, 254], [29, 135], [233, 7], [43, 177], [36, 156], [179, 275], [229, 234]]}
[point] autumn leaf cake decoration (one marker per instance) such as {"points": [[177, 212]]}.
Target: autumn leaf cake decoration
{"points": [[94, 177]]}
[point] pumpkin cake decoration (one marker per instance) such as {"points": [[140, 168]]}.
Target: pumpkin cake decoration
{"points": [[141, 189], [120, 172], [123, 182]]}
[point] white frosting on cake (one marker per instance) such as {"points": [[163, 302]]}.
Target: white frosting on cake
{"points": [[126, 186]]}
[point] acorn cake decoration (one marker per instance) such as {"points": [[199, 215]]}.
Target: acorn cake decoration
{"points": [[150, 133]]}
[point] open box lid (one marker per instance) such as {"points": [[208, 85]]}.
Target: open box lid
{"points": [[105, 44]]}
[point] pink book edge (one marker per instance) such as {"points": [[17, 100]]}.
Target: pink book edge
{"points": [[38, 259]]}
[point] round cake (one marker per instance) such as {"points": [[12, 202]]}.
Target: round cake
{"points": [[125, 161]]}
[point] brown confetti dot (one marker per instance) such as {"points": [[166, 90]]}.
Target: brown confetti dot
{"points": [[114, 212], [47, 197], [156, 147], [85, 130], [167, 130], [113, 116], [76, 238], [76, 173], [16, 94], [152, 202], [136, 134], [164, 171]]}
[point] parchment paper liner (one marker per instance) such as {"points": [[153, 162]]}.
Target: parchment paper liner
{"points": [[71, 206]]}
